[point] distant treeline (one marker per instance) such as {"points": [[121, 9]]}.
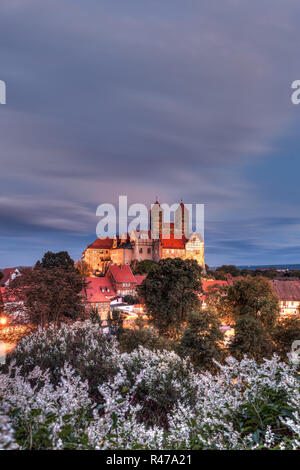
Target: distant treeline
{"points": [[222, 272]]}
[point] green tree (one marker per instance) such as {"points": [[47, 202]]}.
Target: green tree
{"points": [[48, 295], [254, 296], [202, 339], [251, 338], [147, 337], [171, 292], [52, 260], [229, 269], [286, 331], [144, 267]]}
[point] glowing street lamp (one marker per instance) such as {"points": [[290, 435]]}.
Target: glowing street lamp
{"points": [[3, 321]]}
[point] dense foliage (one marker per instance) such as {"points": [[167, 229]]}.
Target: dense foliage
{"points": [[48, 293], [171, 293], [145, 399]]}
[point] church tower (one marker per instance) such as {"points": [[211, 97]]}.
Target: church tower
{"points": [[182, 221], [156, 220]]}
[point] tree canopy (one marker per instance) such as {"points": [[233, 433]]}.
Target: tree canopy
{"points": [[171, 292], [50, 292], [255, 297], [52, 260], [202, 339]]}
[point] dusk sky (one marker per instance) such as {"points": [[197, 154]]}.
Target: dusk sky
{"points": [[145, 98]]}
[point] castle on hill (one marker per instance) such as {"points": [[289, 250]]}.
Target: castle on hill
{"points": [[163, 240]]}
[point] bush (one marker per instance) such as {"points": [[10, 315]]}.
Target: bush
{"points": [[147, 400], [146, 337], [92, 354]]}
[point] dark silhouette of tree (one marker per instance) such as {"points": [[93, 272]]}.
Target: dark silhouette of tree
{"points": [[229, 269], [254, 297], [143, 267], [52, 260], [251, 338], [202, 339], [171, 292], [286, 331], [47, 295]]}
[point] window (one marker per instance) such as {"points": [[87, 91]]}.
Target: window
{"points": [[148, 250], [141, 250]]}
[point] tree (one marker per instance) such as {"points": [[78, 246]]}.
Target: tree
{"points": [[48, 295], [202, 339], [52, 260], [170, 292], [251, 338], [83, 268], [146, 337], [229, 269], [131, 299], [1, 275], [115, 320], [144, 267], [217, 301], [255, 297], [286, 331]]}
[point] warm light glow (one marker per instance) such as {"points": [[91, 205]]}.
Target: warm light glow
{"points": [[3, 321]]}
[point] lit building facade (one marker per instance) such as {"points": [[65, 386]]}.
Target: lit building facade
{"points": [[163, 240]]}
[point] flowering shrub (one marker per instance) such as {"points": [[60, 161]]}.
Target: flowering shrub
{"points": [[147, 400], [93, 355]]}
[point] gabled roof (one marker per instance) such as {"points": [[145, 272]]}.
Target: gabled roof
{"points": [[99, 289], [102, 243], [287, 290], [173, 243], [121, 273], [8, 274], [139, 278]]}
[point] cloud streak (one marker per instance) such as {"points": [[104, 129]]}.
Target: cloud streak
{"points": [[143, 99]]}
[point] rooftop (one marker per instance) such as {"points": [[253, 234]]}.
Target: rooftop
{"points": [[287, 290]]}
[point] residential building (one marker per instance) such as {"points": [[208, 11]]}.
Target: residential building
{"points": [[288, 293], [122, 279]]}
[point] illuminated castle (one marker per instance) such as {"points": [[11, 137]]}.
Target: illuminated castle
{"points": [[163, 240]]}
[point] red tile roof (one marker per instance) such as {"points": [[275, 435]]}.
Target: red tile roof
{"points": [[99, 289], [173, 243], [212, 282], [122, 273], [102, 243], [287, 290], [139, 278]]}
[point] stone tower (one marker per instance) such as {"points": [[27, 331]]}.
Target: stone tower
{"points": [[156, 220], [181, 221]]}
